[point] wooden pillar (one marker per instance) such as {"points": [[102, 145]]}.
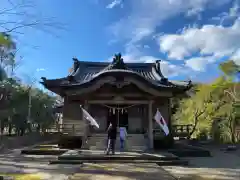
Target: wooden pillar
{"points": [[86, 128], [170, 115], [169, 138], [150, 125], [86, 107]]}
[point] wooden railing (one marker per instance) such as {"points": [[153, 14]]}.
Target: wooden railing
{"points": [[182, 131], [62, 128]]}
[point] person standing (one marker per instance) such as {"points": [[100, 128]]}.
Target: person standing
{"points": [[123, 135], [112, 135]]}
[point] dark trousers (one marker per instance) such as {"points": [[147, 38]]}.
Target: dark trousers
{"points": [[111, 145]]}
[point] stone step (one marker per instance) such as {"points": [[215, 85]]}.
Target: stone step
{"points": [[133, 142], [159, 162], [126, 156]]}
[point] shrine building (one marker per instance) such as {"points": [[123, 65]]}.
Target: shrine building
{"points": [[128, 93]]}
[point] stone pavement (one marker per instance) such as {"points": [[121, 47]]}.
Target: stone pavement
{"points": [[222, 166], [14, 164], [122, 172]]}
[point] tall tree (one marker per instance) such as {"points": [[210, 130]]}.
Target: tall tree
{"points": [[230, 68]]}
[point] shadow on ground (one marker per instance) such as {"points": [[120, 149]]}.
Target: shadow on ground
{"points": [[219, 167]]}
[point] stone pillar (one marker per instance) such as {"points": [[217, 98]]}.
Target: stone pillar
{"points": [[150, 125]]}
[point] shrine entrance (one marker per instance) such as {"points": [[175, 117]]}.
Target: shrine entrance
{"points": [[118, 116]]}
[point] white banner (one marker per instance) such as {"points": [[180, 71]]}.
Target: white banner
{"points": [[160, 120], [86, 115]]}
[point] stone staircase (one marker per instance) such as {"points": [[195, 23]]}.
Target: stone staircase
{"points": [[135, 142], [97, 142]]}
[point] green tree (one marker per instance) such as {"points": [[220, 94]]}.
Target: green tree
{"points": [[14, 114], [7, 50], [201, 109], [229, 68], [193, 109]]}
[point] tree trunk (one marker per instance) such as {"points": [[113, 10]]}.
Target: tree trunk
{"points": [[197, 114], [232, 129], [193, 129]]}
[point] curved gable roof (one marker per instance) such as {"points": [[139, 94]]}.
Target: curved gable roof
{"points": [[85, 72]]}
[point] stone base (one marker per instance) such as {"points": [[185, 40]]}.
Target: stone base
{"points": [[164, 143], [70, 142], [80, 157]]}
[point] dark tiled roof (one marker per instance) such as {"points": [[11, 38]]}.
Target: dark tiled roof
{"points": [[88, 71], [85, 72]]}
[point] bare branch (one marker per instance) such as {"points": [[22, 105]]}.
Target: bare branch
{"points": [[14, 7], [20, 26], [232, 95], [31, 20]]}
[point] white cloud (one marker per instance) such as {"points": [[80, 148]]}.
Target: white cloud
{"points": [[210, 41], [217, 41], [234, 10], [147, 15], [114, 3], [172, 70], [232, 14], [236, 57], [168, 69], [198, 63], [40, 69], [145, 46]]}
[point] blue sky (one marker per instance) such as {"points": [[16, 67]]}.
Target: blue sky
{"points": [[191, 36]]}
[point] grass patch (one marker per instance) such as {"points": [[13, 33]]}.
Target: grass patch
{"points": [[36, 176], [47, 148], [48, 145]]}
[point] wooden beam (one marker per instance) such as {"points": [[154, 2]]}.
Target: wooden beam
{"points": [[112, 80], [123, 95], [118, 102]]}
